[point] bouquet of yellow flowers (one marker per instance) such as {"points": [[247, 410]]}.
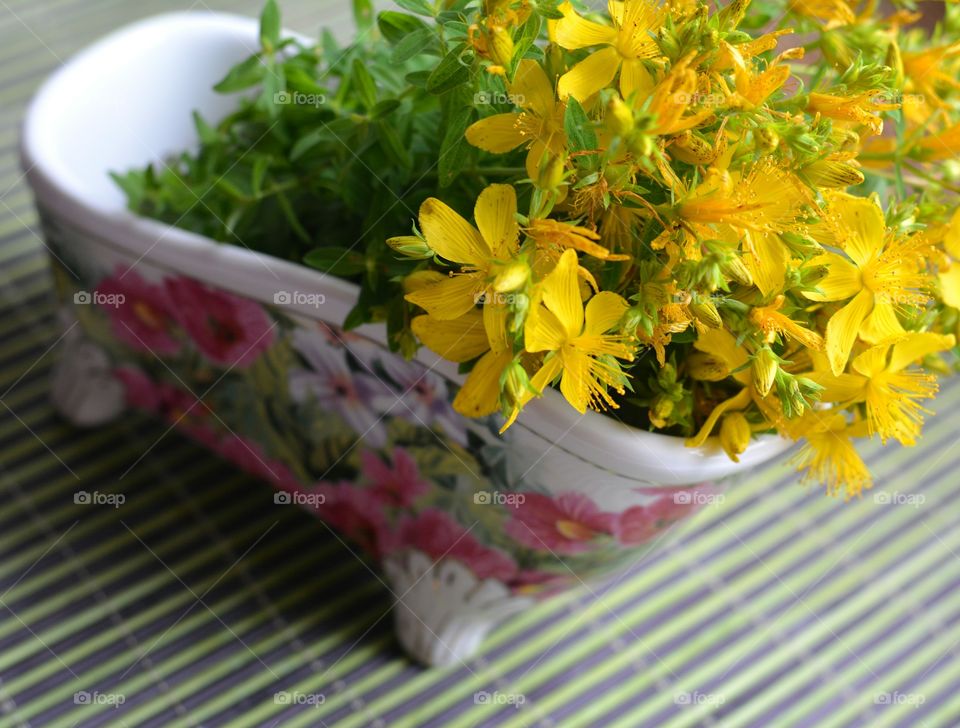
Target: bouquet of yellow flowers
{"points": [[707, 222], [687, 226]]}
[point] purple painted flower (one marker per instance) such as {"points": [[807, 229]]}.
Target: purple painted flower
{"points": [[229, 330], [142, 317], [352, 395], [425, 399]]}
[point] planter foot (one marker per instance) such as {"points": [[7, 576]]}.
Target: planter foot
{"points": [[84, 389], [442, 611]]}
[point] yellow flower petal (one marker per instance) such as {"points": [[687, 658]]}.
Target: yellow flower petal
{"points": [[914, 347], [497, 134], [593, 73], [458, 340], [872, 362], [450, 235], [495, 324], [843, 280], [767, 261], [543, 331], [843, 328], [842, 388], [450, 298], [574, 32], [640, 18], [721, 345], [881, 325], [635, 80], [480, 394], [561, 294], [576, 379], [950, 285], [533, 89], [860, 225], [951, 241], [738, 401], [496, 216], [603, 312]]}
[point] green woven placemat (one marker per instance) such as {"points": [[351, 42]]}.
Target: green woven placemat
{"points": [[193, 603]]}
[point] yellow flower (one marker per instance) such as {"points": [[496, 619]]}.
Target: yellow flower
{"points": [[881, 274], [753, 87], [945, 144], [753, 206], [925, 77], [771, 322], [862, 108], [890, 391], [829, 455], [735, 435], [477, 333], [554, 235], [672, 97], [725, 355], [625, 45], [575, 341], [483, 255], [950, 277], [539, 126], [830, 13]]}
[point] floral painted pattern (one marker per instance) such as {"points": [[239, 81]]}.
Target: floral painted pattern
{"points": [[368, 441]]}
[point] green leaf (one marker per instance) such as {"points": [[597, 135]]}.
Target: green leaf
{"points": [[418, 78], [270, 26], [207, 134], [244, 75], [528, 36], [454, 150], [384, 107], [420, 7], [364, 84], [395, 26], [336, 261], [449, 73], [578, 127], [363, 15], [414, 43], [392, 146], [260, 166]]}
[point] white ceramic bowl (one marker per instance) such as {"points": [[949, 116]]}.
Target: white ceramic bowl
{"points": [[474, 525]]}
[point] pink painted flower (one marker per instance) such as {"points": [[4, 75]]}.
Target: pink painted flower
{"points": [[358, 515], [640, 524], [440, 537], [398, 485], [567, 524], [229, 330], [142, 316], [250, 457], [176, 406], [142, 392]]}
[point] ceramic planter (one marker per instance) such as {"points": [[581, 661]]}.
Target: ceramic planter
{"points": [[243, 353]]}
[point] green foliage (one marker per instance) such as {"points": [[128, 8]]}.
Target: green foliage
{"points": [[330, 150]]}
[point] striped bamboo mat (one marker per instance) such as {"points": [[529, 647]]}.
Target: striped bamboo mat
{"points": [[193, 603]]}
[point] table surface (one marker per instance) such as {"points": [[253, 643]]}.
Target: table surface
{"points": [[195, 603]]}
